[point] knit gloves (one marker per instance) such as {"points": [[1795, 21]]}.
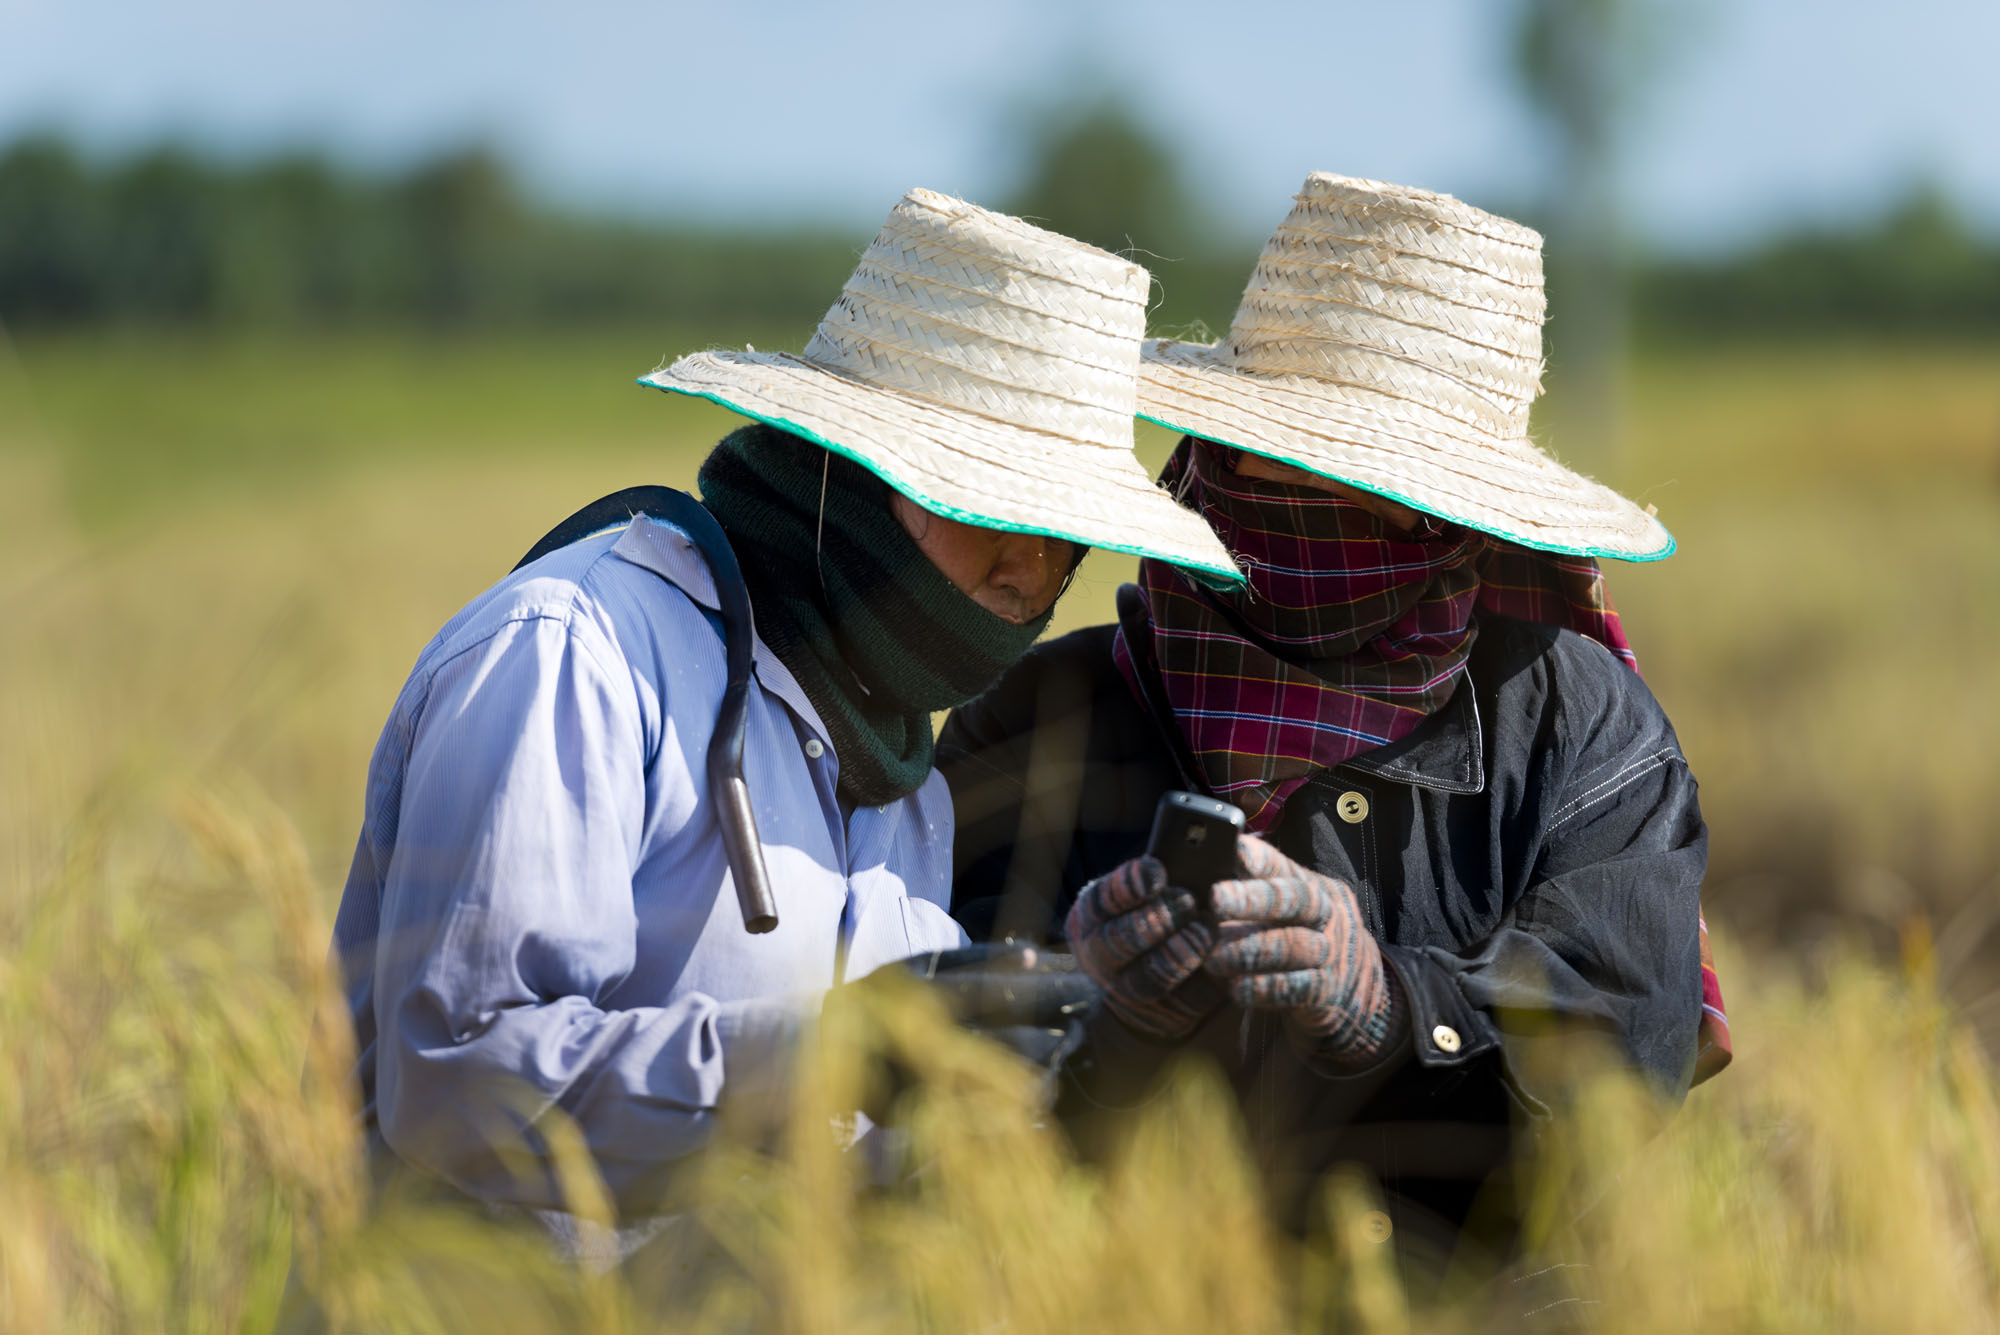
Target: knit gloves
{"points": [[1144, 942], [1293, 941], [1281, 937]]}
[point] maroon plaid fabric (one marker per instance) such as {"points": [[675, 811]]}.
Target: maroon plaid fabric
{"points": [[1713, 1050], [1555, 590], [1344, 639], [1346, 636]]}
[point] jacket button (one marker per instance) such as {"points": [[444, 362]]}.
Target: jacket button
{"points": [[814, 749], [1445, 1037], [1353, 808], [1377, 1226]]}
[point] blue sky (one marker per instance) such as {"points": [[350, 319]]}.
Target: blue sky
{"points": [[1767, 111]]}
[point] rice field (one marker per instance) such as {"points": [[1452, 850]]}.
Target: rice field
{"points": [[219, 557]]}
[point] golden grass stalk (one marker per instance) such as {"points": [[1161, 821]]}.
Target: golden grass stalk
{"points": [[167, 1167]]}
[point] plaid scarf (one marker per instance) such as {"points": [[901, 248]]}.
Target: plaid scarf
{"points": [[1346, 637]]}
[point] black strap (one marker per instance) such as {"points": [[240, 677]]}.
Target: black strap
{"points": [[620, 507], [1135, 619], [726, 783]]}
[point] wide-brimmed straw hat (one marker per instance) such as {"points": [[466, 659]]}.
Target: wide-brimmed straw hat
{"points": [[1391, 338], [988, 370]]}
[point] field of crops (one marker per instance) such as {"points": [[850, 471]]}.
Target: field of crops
{"points": [[219, 557]]}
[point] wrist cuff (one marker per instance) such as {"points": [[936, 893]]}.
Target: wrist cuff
{"points": [[1382, 1039]]}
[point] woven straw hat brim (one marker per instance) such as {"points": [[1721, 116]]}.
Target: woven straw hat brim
{"points": [[1407, 451], [959, 464]]}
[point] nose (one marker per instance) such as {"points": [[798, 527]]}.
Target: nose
{"points": [[1031, 567]]}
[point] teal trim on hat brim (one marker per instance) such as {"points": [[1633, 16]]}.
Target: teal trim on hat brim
{"points": [[1599, 553], [1215, 577]]}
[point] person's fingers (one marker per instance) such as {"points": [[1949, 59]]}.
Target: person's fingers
{"points": [[1116, 942], [1128, 885], [1258, 860], [1171, 963], [1119, 890], [1105, 898], [1164, 992], [1303, 902], [1268, 950], [1301, 989]]}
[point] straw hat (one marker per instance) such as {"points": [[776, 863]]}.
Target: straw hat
{"points": [[986, 369], [1392, 339]]}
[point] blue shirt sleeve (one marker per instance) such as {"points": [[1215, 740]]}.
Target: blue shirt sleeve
{"points": [[507, 919]]}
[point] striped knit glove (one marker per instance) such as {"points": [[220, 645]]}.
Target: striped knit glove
{"points": [[1292, 940], [1143, 942]]}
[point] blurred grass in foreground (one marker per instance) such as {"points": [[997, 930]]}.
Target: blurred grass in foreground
{"points": [[160, 1162], [217, 561]]}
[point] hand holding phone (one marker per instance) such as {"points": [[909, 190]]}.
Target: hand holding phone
{"points": [[1194, 837]]}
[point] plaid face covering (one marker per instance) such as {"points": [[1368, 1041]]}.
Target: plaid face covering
{"points": [[1346, 637]]}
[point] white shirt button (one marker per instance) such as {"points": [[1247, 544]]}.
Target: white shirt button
{"points": [[1445, 1037], [814, 749], [1353, 808]]}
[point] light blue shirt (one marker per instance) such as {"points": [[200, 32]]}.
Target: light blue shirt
{"points": [[540, 913]]}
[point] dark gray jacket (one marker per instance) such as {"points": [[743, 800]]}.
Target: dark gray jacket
{"points": [[1530, 859]]}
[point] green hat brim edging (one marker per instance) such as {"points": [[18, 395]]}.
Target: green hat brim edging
{"points": [[1213, 576], [1599, 553]]}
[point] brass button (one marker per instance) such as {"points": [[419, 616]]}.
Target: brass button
{"points": [[814, 749], [1353, 808], [1376, 1226], [1445, 1037]]}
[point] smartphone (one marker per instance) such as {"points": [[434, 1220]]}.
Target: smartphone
{"points": [[1195, 837]]}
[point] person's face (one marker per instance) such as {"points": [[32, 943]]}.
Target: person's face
{"points": [[1015, 576], [1401, 518]]}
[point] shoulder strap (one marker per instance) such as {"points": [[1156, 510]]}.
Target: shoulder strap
{"points": [[620, 507], [726, 783]]}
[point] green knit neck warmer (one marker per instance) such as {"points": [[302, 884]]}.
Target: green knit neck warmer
{"points": [[875, 634]]}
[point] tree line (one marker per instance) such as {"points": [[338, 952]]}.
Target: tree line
{"points": [[168, 237]]}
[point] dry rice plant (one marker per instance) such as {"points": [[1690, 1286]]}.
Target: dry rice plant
{"points": [[186, 707], [163, 1164]]}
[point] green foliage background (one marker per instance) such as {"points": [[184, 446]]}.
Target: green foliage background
{"points": [[168, 238]]}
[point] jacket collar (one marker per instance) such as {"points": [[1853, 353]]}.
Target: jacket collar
{"points": [[1444, 752]]}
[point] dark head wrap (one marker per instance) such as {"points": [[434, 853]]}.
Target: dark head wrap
{"points": [[876, 635]]}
